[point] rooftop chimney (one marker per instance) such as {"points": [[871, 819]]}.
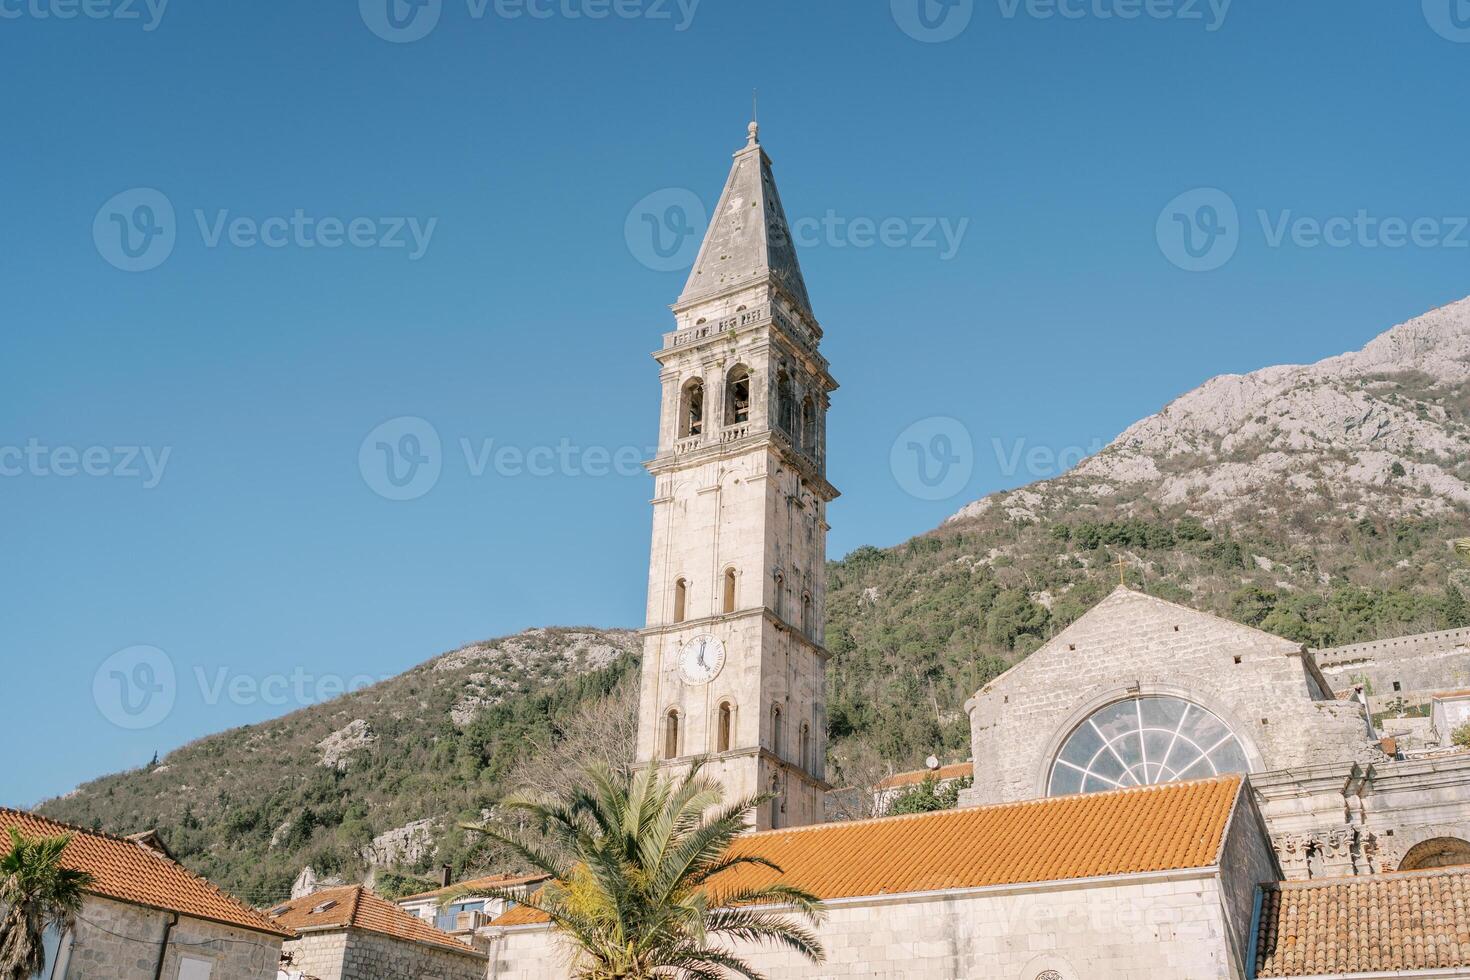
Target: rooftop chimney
{"points": [[446, 876]]}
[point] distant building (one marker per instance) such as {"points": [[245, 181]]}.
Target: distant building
{"points": [[1449, 710], [470, 908], [146, 917], [351, 934], [899, 783]]}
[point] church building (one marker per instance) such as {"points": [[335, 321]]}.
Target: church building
{"points": [[1158, 792]]}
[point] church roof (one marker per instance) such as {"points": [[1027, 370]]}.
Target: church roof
{"points": [[1175, 826], [354, 907], [1419, 920], [748, 240]]}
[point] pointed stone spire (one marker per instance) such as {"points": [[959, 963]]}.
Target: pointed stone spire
{"points": [[748, 239]]}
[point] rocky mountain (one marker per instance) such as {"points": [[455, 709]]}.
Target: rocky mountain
{"points": [[1320, 502]]}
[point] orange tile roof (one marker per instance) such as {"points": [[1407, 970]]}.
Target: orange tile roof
{"points": [[959, 770], [357, 908], [1418, 920], [130, 871], [1155, 828], [469, 886]]}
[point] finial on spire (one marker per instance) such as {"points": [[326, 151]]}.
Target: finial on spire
{"points": [[755, 134], [755, 117]]}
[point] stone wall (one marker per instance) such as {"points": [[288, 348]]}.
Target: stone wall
{"points": [[355, 954], [1265, 688], [116, 941], [1404, 666], [1144, 928]]}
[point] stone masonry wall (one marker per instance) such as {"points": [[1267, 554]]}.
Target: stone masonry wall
{"points": [[116, 941], [1156, 929], [1261, 686], [1418, 665], [359, 955]]}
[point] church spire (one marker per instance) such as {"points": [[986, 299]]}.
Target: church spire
{"points": [[748, 240]]}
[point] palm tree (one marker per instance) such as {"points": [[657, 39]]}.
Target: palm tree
{"points": [[639, 882], [36, 894]]}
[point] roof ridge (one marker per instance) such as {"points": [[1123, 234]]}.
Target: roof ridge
{"points": [[1013, 804], [1340, 880], [75, 828]]}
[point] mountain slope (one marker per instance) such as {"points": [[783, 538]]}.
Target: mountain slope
{"points": [[1318, 502]]}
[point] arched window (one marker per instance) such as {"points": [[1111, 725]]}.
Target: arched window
{"points": [[780, 608], [775, 800], [671, 734], [1437, 852], [728, 604], [776, 729], [681, 600], [808, 624], [808, 426], [805, 761], [785, 405], [1145, 740], [691, 409], [737, 395], [724, 726]]}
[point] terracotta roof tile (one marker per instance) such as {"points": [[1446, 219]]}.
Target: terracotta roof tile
{"points": [[469, 886], [353, 906], [1418, 920], [959, 770], [131, 871], [1155, 828]]}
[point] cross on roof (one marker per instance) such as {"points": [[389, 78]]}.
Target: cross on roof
{"points": [[1122, 566]]}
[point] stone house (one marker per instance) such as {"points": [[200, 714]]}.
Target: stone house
{"points": [[146, 917], [465, 908], [892, 787], [350, 933]]}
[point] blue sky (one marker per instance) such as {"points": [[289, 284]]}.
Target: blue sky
{"points": [[180, 445]]}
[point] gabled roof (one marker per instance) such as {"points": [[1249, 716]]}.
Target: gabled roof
{"points": [[472, 886], [960, 770], [748, 238], [133, 871], [1419, 920], [1175, 826], [354, 907]]}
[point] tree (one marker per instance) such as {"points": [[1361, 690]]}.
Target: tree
{"points": [[641, 880], [929, 796], [37, 894], [1461, 736]]}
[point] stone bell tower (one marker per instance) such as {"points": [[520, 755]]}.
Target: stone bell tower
{"points": [[733, 665]]}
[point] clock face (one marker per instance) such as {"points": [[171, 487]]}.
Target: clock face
{"points": [[701, 658]]}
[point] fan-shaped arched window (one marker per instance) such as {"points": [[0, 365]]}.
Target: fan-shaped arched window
{"points": [[1145, 740]]}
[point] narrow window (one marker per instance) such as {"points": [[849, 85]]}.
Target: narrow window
{"points": [[785, 405], [806, 747], [807, 624], [729, 602], [726, 722], [681, 600], [737, 395], [780, 608], [776, 730], [808, 427], [671, 735], [692, 409], [775, 801]]}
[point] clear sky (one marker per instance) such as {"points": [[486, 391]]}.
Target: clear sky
{"points": [[239, 237]]}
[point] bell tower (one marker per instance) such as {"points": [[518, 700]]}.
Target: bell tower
{"points": [[733, 664]]}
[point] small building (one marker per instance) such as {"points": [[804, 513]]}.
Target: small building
{"points": [[147, 917], [1448, 710], [349, 933], [470, 907], [892, 787]]}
